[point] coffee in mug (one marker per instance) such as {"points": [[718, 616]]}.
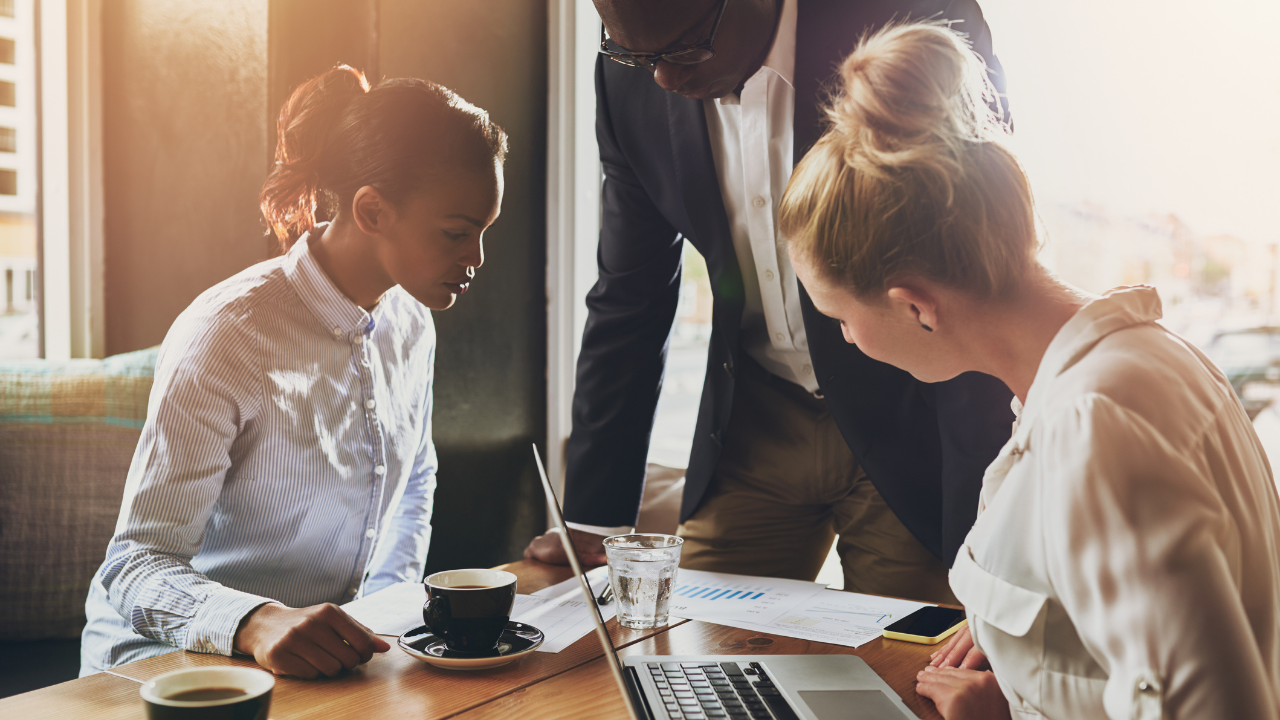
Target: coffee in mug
{"points": [[224, 692], [469, 609]]}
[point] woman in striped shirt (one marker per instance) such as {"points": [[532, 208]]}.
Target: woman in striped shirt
{"points": [[286, 465]]}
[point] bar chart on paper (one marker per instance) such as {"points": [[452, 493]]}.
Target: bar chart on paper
{"points": [[722, 596], [836, 617]]}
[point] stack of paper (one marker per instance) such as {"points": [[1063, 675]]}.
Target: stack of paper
{"points": [[785, 607]]}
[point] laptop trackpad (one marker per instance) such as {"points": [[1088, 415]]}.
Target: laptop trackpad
{"points": [[850, 705]]}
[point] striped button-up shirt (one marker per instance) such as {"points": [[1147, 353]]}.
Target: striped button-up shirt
{"points": [[286, 456]]}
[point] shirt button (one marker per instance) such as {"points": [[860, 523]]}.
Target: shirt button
{"points": [[379, 470], [768, 275], [370, 403], [758, 202], [779, 337], [807, 369], [359, 339], [369, 533], [337, 332]]}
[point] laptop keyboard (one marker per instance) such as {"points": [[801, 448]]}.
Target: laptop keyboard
{"points": [[700, 691]]}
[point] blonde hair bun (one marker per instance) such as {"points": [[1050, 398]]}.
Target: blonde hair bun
{"points": [[911, 91], [911, 175]]}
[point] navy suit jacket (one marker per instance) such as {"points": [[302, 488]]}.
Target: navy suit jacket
{"points": [[924, 446]]}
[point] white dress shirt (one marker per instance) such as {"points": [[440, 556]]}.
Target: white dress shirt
{"points": [[752, 142], [286, 456], [1125, 562]]}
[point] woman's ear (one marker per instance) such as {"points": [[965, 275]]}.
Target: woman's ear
{"points": [[371, 211], [916, 305]]}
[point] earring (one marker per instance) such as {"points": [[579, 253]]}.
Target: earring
{"points": [[926, 327]]}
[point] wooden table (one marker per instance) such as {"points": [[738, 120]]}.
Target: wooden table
{"points": [[572, 683]]}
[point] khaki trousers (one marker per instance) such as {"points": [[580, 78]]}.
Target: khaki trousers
{"points": [[785, 486]]}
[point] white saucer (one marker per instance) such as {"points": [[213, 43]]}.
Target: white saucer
{"points": [[517, 641]]}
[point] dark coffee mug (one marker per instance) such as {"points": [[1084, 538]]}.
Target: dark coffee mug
{"points": [[224, 692], [469, 609]]}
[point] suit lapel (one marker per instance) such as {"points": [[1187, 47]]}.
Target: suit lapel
{"points": [[700, 188], [815, 63]]}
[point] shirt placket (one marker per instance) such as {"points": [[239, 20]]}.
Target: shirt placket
{"points": [[759, 192], [364, 351]]}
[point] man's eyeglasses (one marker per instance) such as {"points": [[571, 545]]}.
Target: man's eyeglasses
{"points": [[699, 53]]}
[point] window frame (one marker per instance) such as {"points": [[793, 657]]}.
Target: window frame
{"points": [[573, 207], [69, 208]]}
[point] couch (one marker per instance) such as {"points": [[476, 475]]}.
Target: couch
{"points": [[68, 430]]}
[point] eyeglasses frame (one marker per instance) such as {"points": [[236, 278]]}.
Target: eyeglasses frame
{"points": [[650, 60]]}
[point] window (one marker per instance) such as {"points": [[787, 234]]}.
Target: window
{"points": [[1135, 184], [19, 313]]}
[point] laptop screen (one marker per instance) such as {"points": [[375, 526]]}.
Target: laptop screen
{"points": [[611, 655]]}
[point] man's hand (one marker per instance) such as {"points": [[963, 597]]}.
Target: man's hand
{"points": [[548, 548], [306, 642], [963, 694], [960, 652]]}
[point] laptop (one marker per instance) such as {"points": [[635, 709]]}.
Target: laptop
{"points": [[736, 687]]}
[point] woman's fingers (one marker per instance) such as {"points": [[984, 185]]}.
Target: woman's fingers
{"points": [[939, 655], [962, 694], [955, 651], [975, 660]]}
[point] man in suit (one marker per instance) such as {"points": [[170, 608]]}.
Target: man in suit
{"points": [[703, 108]]}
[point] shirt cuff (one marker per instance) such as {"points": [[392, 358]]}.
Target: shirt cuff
{"points": [[213, 629], [599, 530]]}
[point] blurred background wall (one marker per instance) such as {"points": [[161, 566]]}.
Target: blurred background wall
{"points": [[191, 90]]}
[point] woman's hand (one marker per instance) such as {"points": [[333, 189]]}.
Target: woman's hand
{"points": [[306, 642], [959, 652], [963, 694]]}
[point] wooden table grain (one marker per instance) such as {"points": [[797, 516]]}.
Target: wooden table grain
{"points": [[572, 683], [101, 697]]}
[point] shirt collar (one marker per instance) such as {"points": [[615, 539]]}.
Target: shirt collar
{"points": [[781, 59], [782, 56], [1116, 310], [341, 317]]}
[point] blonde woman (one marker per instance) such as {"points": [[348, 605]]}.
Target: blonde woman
{"points": [[1125, 559]]}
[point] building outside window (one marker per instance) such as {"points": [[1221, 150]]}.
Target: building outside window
{"points": [[19, 265]]}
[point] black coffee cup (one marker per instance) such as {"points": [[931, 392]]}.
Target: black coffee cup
{"points": [[222, 692], [469, 609]]}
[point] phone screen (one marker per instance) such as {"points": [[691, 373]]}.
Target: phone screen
{"points": [[927, 622]]}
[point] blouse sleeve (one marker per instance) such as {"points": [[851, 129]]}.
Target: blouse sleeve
{"points": [[1137, 549], [206, 388]]}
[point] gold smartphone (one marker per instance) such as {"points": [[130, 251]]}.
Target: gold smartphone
{"points": [[928, 626]]}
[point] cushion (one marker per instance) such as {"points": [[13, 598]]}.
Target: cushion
{"points": [[68, 430]]}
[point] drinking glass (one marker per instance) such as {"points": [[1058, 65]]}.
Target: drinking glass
{"points": [[642, 570]]}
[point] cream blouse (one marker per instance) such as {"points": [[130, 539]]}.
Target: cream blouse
{"points": [[1125, 562]]}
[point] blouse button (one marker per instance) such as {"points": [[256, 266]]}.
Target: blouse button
{"points": [[768, 275], [758, 202]]}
